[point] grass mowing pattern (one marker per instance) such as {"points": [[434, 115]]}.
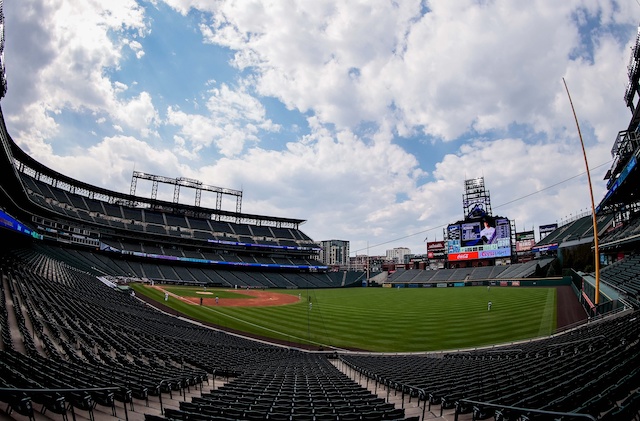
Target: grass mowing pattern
{"points": [[392, 320]]}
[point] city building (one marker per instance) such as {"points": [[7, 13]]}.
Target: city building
{"points": [[334, 252], [397, 254], [362, 261]]}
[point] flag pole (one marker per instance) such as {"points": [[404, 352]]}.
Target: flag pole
{"points": [[593, 207]]}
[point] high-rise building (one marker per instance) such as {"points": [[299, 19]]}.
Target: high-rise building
{"points": [[334, 252]]}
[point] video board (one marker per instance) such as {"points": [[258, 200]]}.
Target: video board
{"points": [[525, 241], [436, 250], [480, 239]]}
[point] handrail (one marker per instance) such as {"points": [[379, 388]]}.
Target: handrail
{"points": [[168, 381], [590, 339], [519, 409], [422, 393], [32, 392], [68, 390], [388, 383]]}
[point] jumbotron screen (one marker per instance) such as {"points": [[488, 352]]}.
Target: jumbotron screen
{"points": [[480, 239]]}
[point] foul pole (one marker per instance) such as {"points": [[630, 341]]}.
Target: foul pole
{"points": [[593, 206]]}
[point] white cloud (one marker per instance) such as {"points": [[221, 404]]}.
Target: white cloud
{"points": [[484, 76], [119, 87], [337, 178], [138, 113], [234, 118], [68, 45], [137, 48], [460, 67], [111, 162]]}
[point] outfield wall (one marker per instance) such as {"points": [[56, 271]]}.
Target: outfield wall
{"points": [[529, 282]]}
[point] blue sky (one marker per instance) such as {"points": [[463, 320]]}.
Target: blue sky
{"points": [[363, 118]]}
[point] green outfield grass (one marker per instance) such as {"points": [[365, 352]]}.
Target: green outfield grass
{"points": [[389, 320]]}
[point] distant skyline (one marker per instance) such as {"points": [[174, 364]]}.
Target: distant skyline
{"points": [[363, 118]]}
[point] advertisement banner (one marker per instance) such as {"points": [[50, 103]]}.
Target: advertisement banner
{"points": [[7, 221], [525, 241], [525, 245], [463, 256], [524, 235], [436, 250], [545, 247], [489, 254]]}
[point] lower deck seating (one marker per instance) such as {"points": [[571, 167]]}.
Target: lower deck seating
{"points": [[77, 332]]}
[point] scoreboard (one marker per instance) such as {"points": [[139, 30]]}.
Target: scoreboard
{"points": [[476, 239]]}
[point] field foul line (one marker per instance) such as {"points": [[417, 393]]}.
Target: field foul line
{"points": [[547, 314]]}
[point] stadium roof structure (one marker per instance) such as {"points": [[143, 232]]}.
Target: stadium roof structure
{"points": [[28, 165], [623, 176], [579, 231], [623, 186]]}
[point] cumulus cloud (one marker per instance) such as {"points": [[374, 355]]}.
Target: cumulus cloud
{"points": [[66, 47], [136, 47], [402, 101], [137, 113], [461, 66], [338, 175], [233, 118], [111, 162]]}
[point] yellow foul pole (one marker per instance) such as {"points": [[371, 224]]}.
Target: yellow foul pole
{"points": [[593, 206]]}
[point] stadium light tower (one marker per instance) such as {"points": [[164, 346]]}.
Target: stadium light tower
{"points": [[476, 198], [593, 206]]}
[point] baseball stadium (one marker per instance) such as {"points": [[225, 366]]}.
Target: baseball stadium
{"points": [[117, 306]]}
